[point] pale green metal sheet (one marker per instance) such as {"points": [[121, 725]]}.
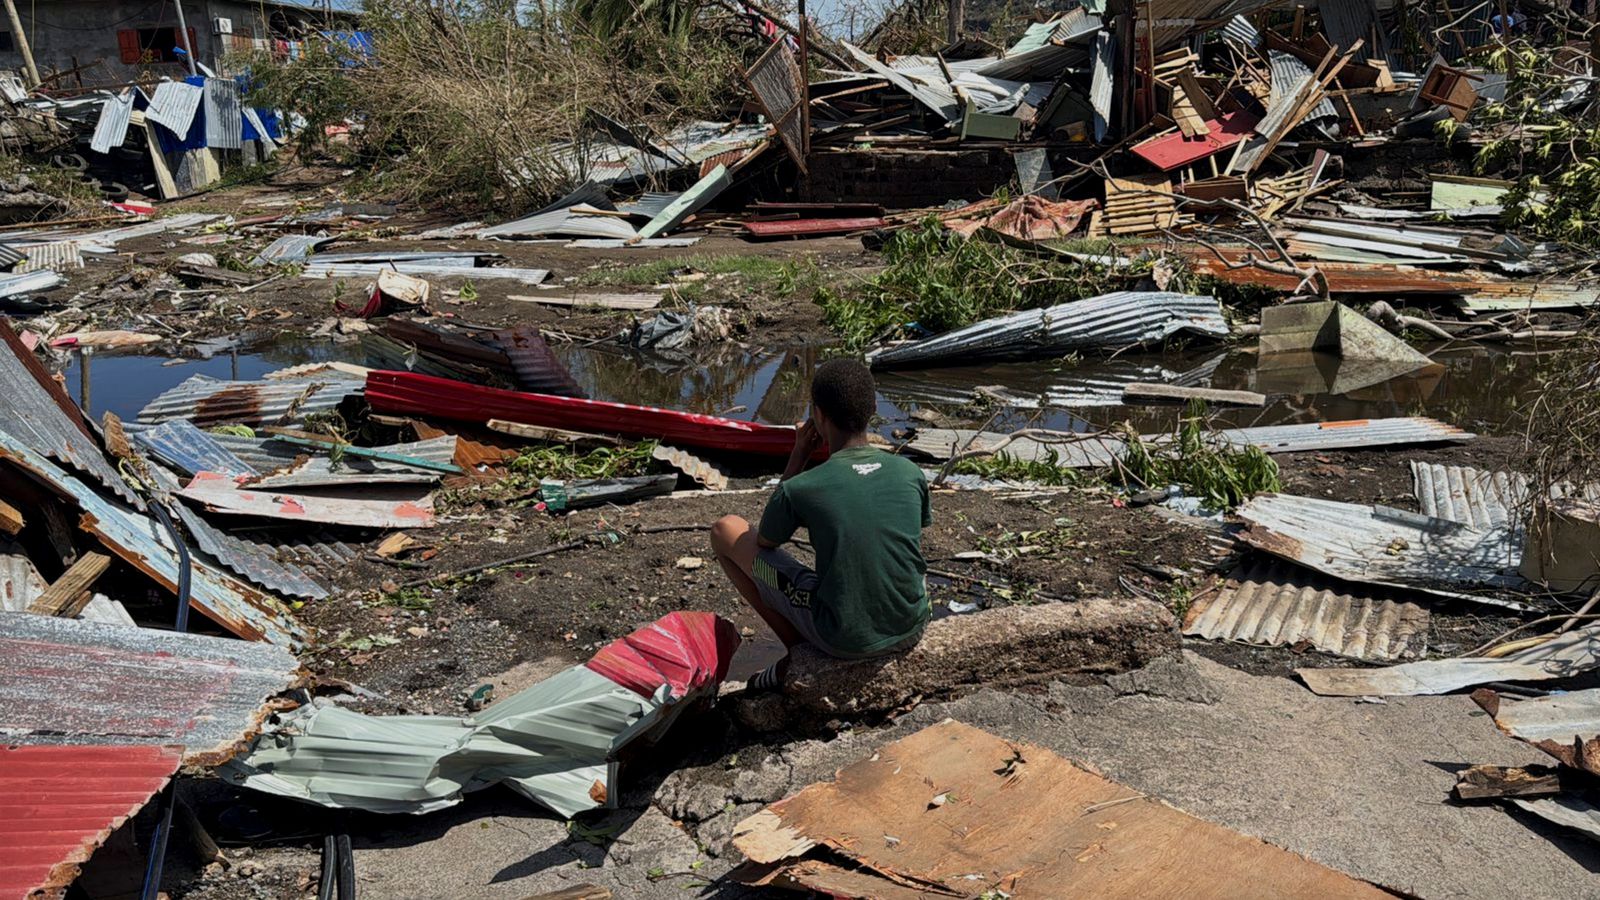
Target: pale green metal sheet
{"points": [[688, 203]]}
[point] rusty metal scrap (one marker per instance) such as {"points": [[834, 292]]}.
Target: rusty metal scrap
{"points": [[1276, 604], [1564, 725], [207, 401]]}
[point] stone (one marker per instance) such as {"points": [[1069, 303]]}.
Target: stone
{"points": [[715, 833], [1000, 648], [763, 784], [690, 794], [654, 842]]}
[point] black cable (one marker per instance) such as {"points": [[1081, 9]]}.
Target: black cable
{"points": [[184, 566], [158, 844], [347, 866], [330, 867]]}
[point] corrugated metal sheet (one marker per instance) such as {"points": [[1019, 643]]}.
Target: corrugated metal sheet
{"points": [[173, 106], [316, 269], [110, 237], [537, 368], [1570, 654], [703, 471], [25, 283], [1498, 297], [57, 804], [1081, 452], [224, 121], [290, 248], [689, 202], [1346, 21], [1380, 545], [178, 443], [649, 205], [1109, 321], [1567, 810], [1102, 83], [10, 256], [1564, 725], [276, 460], [112, 129], [208, 401], [1405, 241], [144, 544], [1066, 47], [21, 584], [1352, 433], [312, 371], [614, 244], [1467, 495], [1239, 29], [1287, 73], [464, 259], [562, 222], [942, 102], [1276, 604], [39, 415], [396, 509], [58, 256], [72, 682], [555, 742]]}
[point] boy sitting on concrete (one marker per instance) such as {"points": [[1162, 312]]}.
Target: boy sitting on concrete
{"points": [[864, 509]]}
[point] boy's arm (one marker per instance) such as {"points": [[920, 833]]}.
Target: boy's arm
{"points": [[778, 521], [806, 441]]}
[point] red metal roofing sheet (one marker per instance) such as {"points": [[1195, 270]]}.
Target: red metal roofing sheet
{"points": [[57, 804], [1173, 150], [810, 227], [683, 650], [411, 394]]}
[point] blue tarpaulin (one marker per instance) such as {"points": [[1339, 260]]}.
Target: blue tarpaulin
{"points": [[196, 138]]}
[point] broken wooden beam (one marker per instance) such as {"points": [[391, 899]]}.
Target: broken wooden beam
{"points": [[11, 520], [1148, 392], [1486, 782], [1014, 645], [70, 593], [552, 435]]}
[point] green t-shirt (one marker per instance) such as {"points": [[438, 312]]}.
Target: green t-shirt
{"points": [[865, 510]]}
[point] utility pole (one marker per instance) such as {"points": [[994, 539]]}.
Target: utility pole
{"points": [[183, 35], [22, 44]]}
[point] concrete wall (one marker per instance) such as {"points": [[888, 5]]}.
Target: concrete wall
{"points": [[86, 30]]}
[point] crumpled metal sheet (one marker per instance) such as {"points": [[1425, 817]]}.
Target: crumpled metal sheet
{"points": [[1276, 604], [536, 367], [110, 237], [1564, 725], [73, 682], [23, 283], [1110, 321], [275, 460], [56, 256], [142, 543], [704, 472], [1572, 653], [290, 248], [38, 414], [173, 105], [224, 122], [112, 128], [1568, 811], [1384, 546], [178, 443], [315, 269], [555, 742]]}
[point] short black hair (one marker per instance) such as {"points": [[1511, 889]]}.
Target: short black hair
{"points": [[844, 391]]}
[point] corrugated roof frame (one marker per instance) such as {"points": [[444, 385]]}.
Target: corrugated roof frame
{"points": [[135, 686], [143, 544], [207, 401]]}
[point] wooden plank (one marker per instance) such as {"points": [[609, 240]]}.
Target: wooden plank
{"points": [[552, 435], [165, 183], [11, 520], [636, 301], [1483, 782], [70, 593], [578, 892], [1146, 392]]}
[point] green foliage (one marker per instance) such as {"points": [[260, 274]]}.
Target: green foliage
{"points": [[938, 280], [1221, 475], [1047, 471], [406, 598], [561, 463], [1553, 155]]}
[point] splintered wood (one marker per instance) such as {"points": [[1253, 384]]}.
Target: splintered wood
{"points": [[955, 811], [1136, 205]]}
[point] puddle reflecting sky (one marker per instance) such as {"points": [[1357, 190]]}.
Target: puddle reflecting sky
{"points": [[1474, 388]]}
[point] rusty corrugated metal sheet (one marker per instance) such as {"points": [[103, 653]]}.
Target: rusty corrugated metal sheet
{"points": [[139, 541], [537, 369], [57, 804], [207, 401], [37, 412], [1277, 604], [1384, 546], [178, 443], [56, 256], [68, 681], [1564, 725], [1343, 278]]}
